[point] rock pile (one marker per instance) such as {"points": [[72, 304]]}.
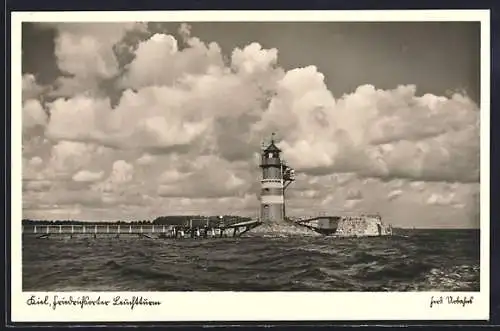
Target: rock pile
{"points": [[361, 226], [281, 229]]}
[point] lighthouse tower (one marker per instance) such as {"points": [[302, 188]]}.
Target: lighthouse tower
{"points": [[275, 178]]}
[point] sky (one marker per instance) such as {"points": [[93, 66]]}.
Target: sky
{"points": [[137, 120]]}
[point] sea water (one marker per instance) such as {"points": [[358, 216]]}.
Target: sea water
{"points": [[411, 260]]}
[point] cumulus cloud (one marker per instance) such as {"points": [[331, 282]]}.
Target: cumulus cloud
{"points": [[139, 121], [145, 159], [253, 59], [374, 132], [122, 173], [418, 185], [33, 114], [354, 194], [442, 200], [211, 177], [36, 161], [67, 157], [394, 194], [31, 89], [161, 118], [217, 106], [87, 176], [37, 185], [158, 61], [85, 54]]}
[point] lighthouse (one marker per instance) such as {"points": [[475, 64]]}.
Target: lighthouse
{"points": [[276, 176]]}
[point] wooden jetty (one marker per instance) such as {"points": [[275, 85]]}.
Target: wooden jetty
{"points": [[188, 230]]}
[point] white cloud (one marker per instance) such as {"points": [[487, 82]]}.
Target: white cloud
{"points": [[121, 173], [33, 114], [394, 194], [354, 194], [31, 89], [36, 161], [145, 119], [145, 159], [159, 62], [213, 109], [172, 176], [68, 157], [87, 176], [253, 59], [211, 177], [38, 185], [438, 199], [374, 132], [418, 185], [30, 171], [85, 54], [77, 118]]}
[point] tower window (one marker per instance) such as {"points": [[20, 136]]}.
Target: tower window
{"points": [[270, 155]]}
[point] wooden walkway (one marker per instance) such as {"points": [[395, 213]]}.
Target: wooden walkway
{"points": [[150, 231]]}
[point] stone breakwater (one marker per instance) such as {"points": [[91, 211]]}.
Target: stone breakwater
{"points": [[362, 226], [345, 226], [281, 229]]}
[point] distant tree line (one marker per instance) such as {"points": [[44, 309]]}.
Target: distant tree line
{"points": [[79, 222]]}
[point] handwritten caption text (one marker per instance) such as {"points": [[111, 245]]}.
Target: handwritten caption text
{"points": [[86, 301]]}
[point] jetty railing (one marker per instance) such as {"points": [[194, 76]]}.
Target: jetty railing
{"points": [[94, 228]]}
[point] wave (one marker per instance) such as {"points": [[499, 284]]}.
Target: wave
{"points": [[462, 277], [141, 272], [288, 263]]}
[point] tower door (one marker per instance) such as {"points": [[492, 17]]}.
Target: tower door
{"points": [[265, 212]]}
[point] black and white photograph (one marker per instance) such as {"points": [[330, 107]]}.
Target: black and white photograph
{"points": [[171, 156]]}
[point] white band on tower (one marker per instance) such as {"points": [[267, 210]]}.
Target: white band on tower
{"points": [[272, 184], [272, 199]]}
